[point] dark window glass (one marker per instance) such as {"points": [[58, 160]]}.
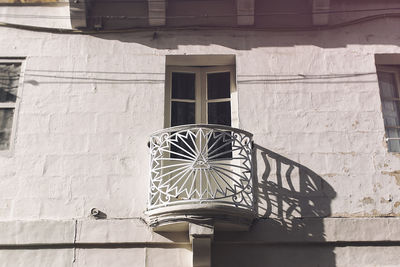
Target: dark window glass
{"points": [[220, 146], [387, 85], [389, 92], [183, 85], [6, 117], [182, 113], [219, 113], [9, 77], [183, 148], [393, 144], [218, 85]]}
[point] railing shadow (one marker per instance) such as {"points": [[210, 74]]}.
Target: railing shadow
{"points": [[287, 190], [292, 201]]}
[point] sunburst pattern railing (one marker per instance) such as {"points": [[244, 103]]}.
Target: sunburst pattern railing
{"points": [[201, 164]]}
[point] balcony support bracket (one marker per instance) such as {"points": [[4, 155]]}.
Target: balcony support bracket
{"points": [[201, 237]]}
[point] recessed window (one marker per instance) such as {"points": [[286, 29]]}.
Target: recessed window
{"points": [[389, 87], [9, 84], [199, 95]]}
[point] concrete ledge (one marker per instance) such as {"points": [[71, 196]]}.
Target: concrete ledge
{"points": [[135, 231], [71, 232], [119, 231], [36, 232], [372, 229], [318, 230]]}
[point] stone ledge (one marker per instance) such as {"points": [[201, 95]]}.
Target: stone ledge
{"points": [[310, 230], [70, 232], [124, 230], [37, 232]]}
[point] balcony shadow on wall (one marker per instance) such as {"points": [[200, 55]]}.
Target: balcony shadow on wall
{"points": [[292, 201]]}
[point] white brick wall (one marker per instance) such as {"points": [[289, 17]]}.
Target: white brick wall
{"points": [[90, 121], [82, 131]]}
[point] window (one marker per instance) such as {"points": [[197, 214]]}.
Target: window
{"points": [[9, 83], [389, 86], [207, 162], [200, 95]]}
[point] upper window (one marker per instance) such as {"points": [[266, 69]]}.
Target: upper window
{"points": [[9, 83], [200, 95], [389, 87]]}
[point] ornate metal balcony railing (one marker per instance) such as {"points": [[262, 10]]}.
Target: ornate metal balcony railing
{"points": [[199, 164]]}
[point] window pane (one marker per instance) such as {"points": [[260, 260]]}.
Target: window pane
{"points": [[183, 148], [219, 113], [218, 85], [6, 117], [182, 113], [220, 145], [183, 85], [394, 144], [390, 108], [391, 118], [9, 77], [387, 85]]}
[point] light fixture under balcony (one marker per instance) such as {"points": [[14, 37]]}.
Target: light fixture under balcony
{"points": [[201, 173]]}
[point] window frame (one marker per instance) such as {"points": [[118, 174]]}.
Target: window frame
{"points": [[396, 71], [14, 105], [201, 99]]}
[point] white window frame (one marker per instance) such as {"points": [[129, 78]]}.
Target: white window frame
{"points": [[201, 102], [14, 105], [396, 71]]}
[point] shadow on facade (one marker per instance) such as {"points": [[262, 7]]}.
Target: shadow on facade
{"points": [[292, 201], [368, 33]]}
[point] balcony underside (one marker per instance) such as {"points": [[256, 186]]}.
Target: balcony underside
{"points": [[177, 218]]}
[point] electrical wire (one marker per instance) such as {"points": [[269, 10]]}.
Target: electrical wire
{"points": [[81, 77], [264, 76], [95, 72]]}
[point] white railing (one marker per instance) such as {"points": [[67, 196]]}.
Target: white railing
{"points": [[198, 164]]}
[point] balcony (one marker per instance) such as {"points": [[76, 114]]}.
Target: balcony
{"points": [[201, 174]]}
